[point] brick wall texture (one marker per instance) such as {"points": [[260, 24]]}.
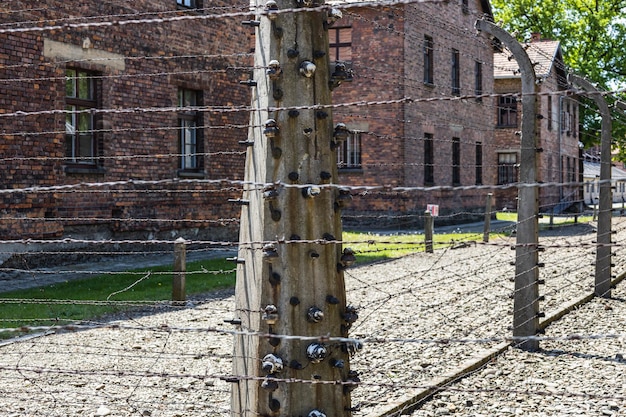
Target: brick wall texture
{"points": [[137, 137], [141, 67], [388, 64]]}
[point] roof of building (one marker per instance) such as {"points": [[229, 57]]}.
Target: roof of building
{"points": [[544, 53], [591, 169]]}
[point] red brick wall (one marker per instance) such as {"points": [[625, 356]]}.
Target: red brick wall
{"points": [[137, 144], [388, 64], [555, 147]]}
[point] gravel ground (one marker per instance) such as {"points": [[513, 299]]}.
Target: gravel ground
{"points": [[165, 362], [565, 378]]}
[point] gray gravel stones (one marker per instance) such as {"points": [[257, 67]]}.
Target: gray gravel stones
{"points": [[421, 317], [579, 377]]}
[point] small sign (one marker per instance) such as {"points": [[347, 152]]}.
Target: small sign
{"points": [[433, 209]]}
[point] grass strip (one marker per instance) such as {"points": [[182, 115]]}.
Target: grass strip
{"points": [[93, 297]]}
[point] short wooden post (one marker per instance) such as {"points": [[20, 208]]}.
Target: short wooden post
{"points": [[487, 228], [180, 268], [551, 220], [429, 225]]}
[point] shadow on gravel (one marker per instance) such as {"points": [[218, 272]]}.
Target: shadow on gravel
{"points": [[617, 358]]}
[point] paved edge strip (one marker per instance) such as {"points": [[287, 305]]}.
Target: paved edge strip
{"points": [[413, 401]]}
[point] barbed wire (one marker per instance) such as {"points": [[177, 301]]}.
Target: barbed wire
{"points": [[420, 294], [84, 187]]}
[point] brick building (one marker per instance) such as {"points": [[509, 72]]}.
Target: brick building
{"points": [[142, 111], [423, 70], [557, 125]]}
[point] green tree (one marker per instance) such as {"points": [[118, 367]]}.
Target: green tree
{"points": [[592, 34]]}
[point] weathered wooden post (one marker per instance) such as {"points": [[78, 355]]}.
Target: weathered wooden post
{"points": [[487, 226], [605, 204], [429, 226], [179, 271], [290, 295], [526, 299], [551, 224]]}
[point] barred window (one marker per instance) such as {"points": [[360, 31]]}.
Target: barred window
{"points": [[429, 60], [508, 168], [349, 152], [189, 123], [478, 80], [507, 111], [456, 72], [429, 159], [80, 99], [479, 163], [456, 161]]}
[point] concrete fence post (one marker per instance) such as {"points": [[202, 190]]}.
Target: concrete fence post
{"points": [[526, 296], [605, 203]]}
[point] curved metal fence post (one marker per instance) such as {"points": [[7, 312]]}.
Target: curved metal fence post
{"points": [[526, 300], [605, 203]]}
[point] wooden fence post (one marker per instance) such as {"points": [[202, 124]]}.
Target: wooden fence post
{"points": [[179, 271], [290, 294], [429, 226], [487, 228]]}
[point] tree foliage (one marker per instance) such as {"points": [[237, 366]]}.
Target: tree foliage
{"points": [[592, 34]]}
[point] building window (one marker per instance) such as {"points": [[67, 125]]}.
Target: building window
{"points": [[456, 73], [465, 6], [549, 111], [190, 133], [429, 160], [507, 111], [189, 4], [80, 99], [429, 60], [571, 169], [479, 163], [565, 119], [507, 168], [478, 80], [456, 161], [349, 152], [340, 43], [568, 123]]}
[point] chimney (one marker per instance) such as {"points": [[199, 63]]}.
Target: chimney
{"points": [[535, 37]]}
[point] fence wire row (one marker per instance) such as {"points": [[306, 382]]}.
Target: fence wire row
{"points": [[421, 318], [434, 329]]}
